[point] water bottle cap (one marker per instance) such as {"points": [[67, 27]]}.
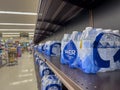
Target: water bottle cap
{"points": [[116, 31], [66, 36], [107, 30], [98, 29], [74, 32], [88, 28]]}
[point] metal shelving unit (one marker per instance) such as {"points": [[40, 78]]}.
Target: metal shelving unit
{"points": [[75, 79]]}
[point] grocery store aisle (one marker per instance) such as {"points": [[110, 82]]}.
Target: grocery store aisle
{"points": [[19, 77]]}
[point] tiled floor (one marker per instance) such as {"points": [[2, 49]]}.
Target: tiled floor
{"points": [[19, 77]]}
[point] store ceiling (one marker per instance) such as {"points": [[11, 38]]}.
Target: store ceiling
{"points": [[18, 15]]}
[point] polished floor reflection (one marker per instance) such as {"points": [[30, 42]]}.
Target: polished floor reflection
{"points": [[19, 77]]}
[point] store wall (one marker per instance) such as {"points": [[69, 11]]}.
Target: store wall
{"points": [[106, 15]]}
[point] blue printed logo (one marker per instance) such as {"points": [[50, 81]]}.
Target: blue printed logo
{"points": [[70, 51], [99, 61]]}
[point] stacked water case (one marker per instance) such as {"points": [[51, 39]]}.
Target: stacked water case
{"points": [[95, 50], [48, 80], [52, 48], [41, 47], [70, 48], [51, 82]]}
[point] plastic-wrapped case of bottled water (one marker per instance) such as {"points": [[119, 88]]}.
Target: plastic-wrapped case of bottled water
{"points": [[35, 47], [70, 51], [52, 48], [46, 47], [37, 59], [35, 55], [50, 82], [64, 42], [44, 69], [40, 47], [99, 50]]}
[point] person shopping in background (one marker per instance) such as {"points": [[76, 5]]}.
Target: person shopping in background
{"points": [[19, 51], [31, 48]]}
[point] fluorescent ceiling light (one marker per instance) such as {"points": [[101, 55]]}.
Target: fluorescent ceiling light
{"points": [[11, 33], [17, 30], [22, 24], [19, 13], [31, 33]]}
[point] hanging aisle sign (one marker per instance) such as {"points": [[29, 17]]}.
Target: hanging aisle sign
{"points": [[24, 34]]}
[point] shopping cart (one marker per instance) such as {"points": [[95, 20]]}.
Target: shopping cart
{"points": [[12, 56]]}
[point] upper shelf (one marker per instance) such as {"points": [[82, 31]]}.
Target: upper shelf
{"points": [[53, 14], [75, 79]]}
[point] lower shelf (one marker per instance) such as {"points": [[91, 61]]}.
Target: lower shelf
{"points": [[75, 79]]}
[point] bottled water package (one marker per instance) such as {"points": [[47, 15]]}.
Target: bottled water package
{"points": [[46, 47], [40, 47], [35, 55], [52, 48], [85, 61], [44, 69], [117, 43], [117, 32], [55, 48], [37, 59], [99, 51], [41, 62], [51, 82], [64, 42], [70, 50], [35, 47], [106, 51]]}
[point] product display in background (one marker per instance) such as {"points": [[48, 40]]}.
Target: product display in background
{"points": [[52, 48], [50, 82]]}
